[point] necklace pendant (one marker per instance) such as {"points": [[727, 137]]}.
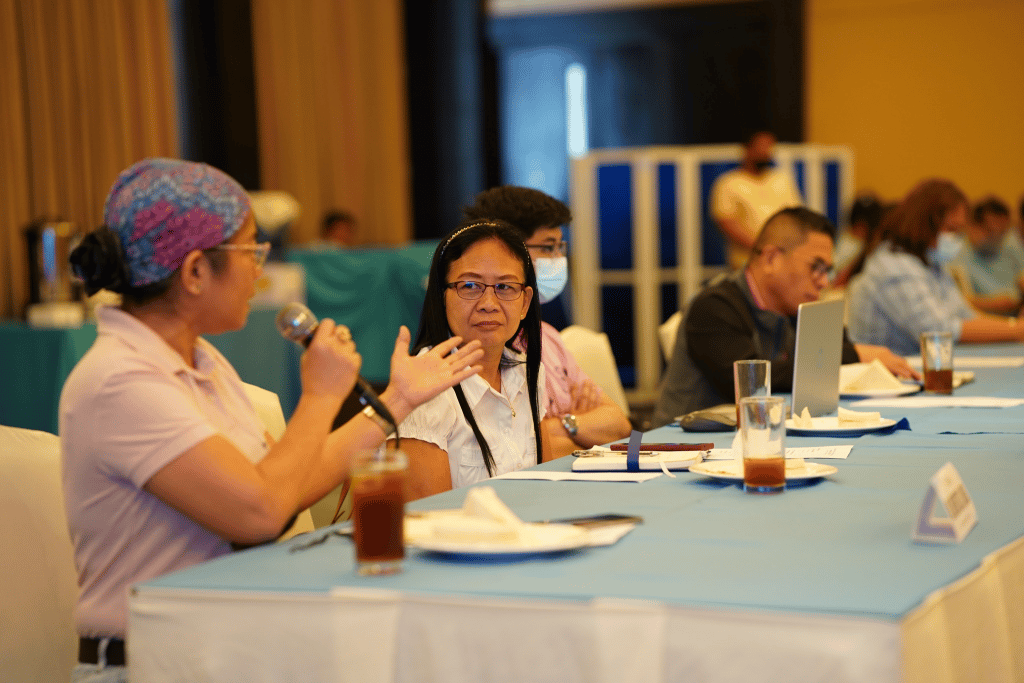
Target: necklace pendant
{"points": [[513, 411]]}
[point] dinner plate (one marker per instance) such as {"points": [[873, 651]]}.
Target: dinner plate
{"points": [[831, 425], [732, 470], [543, 539], [883, 393]]}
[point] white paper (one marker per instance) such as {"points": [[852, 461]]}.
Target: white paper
{"points": [[548, 475], [806, 452], [873, 376], [608, 534], [977, 361], [939, 402]]}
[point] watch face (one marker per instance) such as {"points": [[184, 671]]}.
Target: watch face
{"points": [[569, 422]]}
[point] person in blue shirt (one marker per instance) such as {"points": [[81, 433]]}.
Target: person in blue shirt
{"points": [[902, 286]]}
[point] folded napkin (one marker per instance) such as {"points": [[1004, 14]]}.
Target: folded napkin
{"points": [[803, 420], [858, 418], [867, 377], [484, 518]]}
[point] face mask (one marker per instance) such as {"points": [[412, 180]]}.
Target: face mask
{"points": [[946, 248], [552, 274]]}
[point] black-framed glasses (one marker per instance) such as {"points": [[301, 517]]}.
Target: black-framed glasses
{"points": [[550, 250], [468, 289], [259, 251], [819, 267]]}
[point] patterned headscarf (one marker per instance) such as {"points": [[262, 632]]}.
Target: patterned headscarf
{"points": [[161, 209]]}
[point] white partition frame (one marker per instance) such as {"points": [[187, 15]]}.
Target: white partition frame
{"points": [[690, 271]]}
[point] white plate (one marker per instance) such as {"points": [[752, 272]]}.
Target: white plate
{"points": [[883, 393], [830, 425], [732, 470], [544, 539]]}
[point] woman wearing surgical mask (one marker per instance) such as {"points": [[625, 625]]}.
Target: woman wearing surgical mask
{"points": [[903, 286], [579, 414]]}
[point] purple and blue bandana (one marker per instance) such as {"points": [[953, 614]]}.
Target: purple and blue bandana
{"points": [[161, 209]]}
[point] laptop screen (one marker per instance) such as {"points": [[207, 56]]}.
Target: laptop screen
{"points": [[818, 356]]}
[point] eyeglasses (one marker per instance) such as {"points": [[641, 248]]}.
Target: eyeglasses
{"points": [[549, 250], [506, 291], [259, 251], [819, 267]]}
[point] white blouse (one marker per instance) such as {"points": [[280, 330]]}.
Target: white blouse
{"points": [[504, 419]]}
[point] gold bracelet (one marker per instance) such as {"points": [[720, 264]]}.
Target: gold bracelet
{"points": [[385, 426]]}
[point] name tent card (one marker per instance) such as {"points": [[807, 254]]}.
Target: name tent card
{"points": [[946, 489]]}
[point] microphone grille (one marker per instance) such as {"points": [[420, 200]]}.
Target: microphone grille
{"points": [[296, 322]]}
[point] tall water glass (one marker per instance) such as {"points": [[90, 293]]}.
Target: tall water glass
{"points": [[763, 438]]}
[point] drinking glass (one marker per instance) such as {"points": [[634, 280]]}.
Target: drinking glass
{"points": [[763, 437], [378, 510], [937, 361], [751, 378]]}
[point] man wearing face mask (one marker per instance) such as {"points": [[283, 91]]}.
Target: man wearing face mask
{"points": [[744, 198], [988, 274], [579, 413], [902, 285]]}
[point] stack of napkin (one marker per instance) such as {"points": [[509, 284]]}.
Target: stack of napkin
{"points": [[848, 418], [483, 518]]}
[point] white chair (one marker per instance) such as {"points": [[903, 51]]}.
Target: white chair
{"points": [[38, 583], [667, 334], [268, 408], [594, 354]]}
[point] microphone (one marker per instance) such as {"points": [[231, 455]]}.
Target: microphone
{"points": [[296, 322]]}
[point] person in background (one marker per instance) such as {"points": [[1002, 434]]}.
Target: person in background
{"points": [[751, 314], [165, 462], [338, 229], [865, 217], [742, 199], [580, 414], [902, 286], [990, 275], [481, 288]]}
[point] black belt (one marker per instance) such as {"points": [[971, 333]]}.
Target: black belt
{"points": [[89, 651]]}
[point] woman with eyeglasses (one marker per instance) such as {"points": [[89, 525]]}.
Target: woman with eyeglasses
{"points": [[165, 462], [480, 288]]}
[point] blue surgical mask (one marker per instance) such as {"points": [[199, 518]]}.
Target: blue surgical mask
{"points": [[946, 248], [552, 274]]}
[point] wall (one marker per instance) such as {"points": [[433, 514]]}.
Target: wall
{"points": [[920, 88]]}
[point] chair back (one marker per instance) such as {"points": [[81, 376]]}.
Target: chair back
{"points": [[667, 334], [594, 354], [38, 582], [268, 408]]}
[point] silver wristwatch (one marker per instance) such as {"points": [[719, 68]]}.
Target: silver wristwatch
{"points": [[385, 426], [570, 424]]}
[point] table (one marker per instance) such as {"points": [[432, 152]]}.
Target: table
{"points": [[821, 583]]}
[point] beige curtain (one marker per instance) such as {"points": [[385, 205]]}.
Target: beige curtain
{"points": [[86, 88], [330, 91]]}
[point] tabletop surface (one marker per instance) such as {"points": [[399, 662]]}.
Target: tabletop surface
{"points": [[840, 545]]}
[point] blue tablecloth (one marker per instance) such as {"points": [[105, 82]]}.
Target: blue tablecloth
{"points": [[840, 546]]}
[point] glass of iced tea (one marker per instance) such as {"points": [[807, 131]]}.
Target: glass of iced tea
{"points": [[937, 361], [763, 435], [378, 511]]}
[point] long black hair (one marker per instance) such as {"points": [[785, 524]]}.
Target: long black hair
{"points": [[434, 327]]}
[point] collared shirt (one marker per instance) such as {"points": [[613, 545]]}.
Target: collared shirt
{"points": [[750, 200], [897, 297], [990, 275], [131, 406], [561, 371], [504, 419]]}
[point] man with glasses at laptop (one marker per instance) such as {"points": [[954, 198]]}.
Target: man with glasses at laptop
{"points": [[751, 314]]}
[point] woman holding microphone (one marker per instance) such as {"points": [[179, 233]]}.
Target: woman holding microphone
{"points": [[165, 463]]}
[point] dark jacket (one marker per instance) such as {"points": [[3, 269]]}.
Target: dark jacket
{"points": [[722, 325]]}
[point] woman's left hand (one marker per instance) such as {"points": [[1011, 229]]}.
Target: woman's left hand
{"points": [[415, 379]]}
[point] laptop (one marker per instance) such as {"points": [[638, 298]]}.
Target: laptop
{"points": [[818, 357]]}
